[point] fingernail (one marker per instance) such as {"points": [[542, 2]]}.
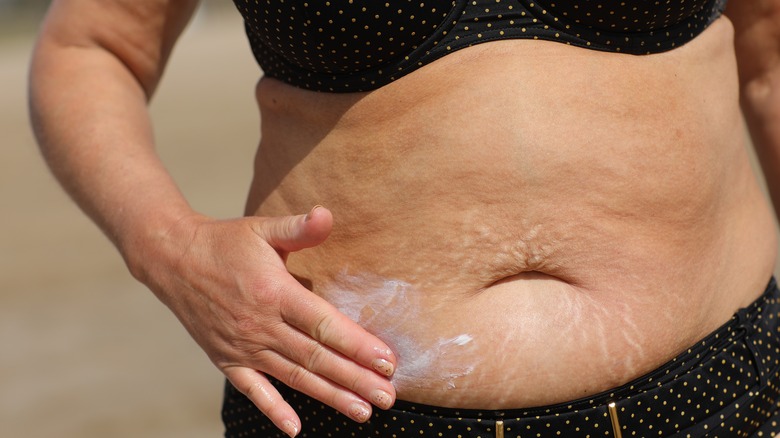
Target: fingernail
{"points": [[381, 399], [383, 367], [289, 428], [311, 213], [359, 412]]}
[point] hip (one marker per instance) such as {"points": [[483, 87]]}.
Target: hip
{"points": [[726, 384]]}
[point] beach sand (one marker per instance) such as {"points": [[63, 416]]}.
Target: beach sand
{"points": [[85, 351]]}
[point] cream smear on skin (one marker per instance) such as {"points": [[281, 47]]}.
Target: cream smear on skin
{"points": [[380, 305]]}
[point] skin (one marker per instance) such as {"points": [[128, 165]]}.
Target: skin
{"points": [[581, 225], [288, 333]]}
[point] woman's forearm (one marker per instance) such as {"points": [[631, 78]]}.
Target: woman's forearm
{"points": [[89, 113]]}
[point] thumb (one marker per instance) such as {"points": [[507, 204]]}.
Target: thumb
{"points": [[293, 233]]}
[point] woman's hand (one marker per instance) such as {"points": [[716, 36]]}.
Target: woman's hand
{"points": [[96, 65], [227, 283]]}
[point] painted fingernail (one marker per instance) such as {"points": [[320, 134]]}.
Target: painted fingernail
{"points": [[359, 412], [383, 367], [381, 399], [289, 428], [311, 213]]}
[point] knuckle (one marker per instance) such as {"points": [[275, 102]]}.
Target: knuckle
{"points": [[252, 390], [291, 226], [297, 377], [322, 328], [355, 381], [261, 310], [316, 357], [251, 339], [275, 230], [261, 359], [266, 287]]}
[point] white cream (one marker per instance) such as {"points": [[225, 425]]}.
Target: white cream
{"points": [[385, 308]]}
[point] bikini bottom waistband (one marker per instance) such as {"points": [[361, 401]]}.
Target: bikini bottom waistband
{"points": [[728, 384]]}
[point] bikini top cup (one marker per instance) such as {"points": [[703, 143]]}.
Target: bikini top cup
{"points": [[360, 45]]}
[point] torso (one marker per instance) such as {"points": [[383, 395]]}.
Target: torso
{"points": [[526, 222]]}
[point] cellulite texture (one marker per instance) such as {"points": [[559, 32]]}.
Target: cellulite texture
{"points": [[360, 45]]}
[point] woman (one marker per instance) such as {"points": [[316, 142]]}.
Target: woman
{"points": [[528, 205]]}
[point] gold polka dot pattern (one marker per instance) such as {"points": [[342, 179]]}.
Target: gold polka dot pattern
{"points": [[727, 385], [359, 45]]}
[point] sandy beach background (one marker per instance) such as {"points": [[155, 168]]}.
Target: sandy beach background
{"points": [[85, 351]]}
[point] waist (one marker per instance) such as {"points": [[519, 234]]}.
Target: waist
{"points": [[586, 226], [532, 340], [478, 281], [724, 383], [474, 296]]}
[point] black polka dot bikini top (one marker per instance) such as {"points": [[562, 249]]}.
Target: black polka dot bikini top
{"points": [[359, 45]]}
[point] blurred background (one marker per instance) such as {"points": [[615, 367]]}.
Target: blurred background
{"points": [[85, 351]]}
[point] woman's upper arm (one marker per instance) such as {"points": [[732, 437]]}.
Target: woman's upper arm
{"points": [[138, 33], [756, 40]]}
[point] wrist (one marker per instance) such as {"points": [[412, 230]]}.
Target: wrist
{"points": [[158, 243]]}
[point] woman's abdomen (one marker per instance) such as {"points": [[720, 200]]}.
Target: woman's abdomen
{"points": [[532, 228]]}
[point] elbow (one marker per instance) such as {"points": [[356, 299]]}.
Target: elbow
{"points": [[760, 94]]}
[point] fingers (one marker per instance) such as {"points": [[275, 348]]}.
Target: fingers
{"points": [[313, 315], [326, 325], [313, 369], [313, 358], [256, 387], [322, 352], [293, 233], [319, 388]]}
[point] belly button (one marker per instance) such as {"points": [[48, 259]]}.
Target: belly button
{"points": [[524, 276]]}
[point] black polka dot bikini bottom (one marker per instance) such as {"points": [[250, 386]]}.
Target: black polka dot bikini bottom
{"points": [[727, 385]]}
